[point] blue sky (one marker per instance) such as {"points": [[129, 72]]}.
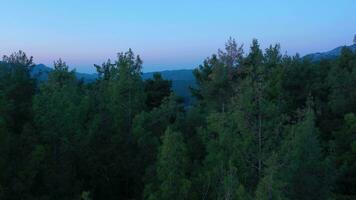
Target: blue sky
{"points": [[168, 34]]}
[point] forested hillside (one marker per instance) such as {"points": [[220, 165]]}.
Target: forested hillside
{"points": [[264, 126]]}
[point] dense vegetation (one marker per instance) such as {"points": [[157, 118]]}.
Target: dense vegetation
{"points": [[264, 126]]}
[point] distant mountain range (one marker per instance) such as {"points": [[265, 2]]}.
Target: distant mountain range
{"points": [[41, 71], [333, 54], [182, 79]]}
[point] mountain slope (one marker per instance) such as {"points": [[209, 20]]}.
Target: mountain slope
{"points": [[182, 74], [40, 72], [329, 55]]}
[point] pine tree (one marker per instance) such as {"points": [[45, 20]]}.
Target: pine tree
{"points": [[218, 176], [271, 185], [251, 109], [305, 172], [17, 137], [127, 90], [156, 90], [342, 78], [16, 90], [59, 118], [216, 76], [119, 97], [148, 129], [344, 147], [172, 168]]}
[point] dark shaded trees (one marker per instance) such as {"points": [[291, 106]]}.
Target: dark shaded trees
{"points": [[216, 76], [59, 118], [117, 97], [156, 90], [17, 137], [306, 171], [264, 126], [344, 147], [172, 165]]}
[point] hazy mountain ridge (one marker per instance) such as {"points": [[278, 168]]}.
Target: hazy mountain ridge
{"points": [[41, 70], [181, 74], [181, 79], [329, 55]]}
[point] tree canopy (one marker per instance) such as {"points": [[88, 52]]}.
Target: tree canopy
{"points": [[263, 126]]}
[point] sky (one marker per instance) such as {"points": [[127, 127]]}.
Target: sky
{"points": [[168, 34]]}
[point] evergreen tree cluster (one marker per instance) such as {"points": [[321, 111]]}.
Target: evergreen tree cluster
{"points": [[264, 126]]}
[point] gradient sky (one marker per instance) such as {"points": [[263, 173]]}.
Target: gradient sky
{"points": [[168, 34]]}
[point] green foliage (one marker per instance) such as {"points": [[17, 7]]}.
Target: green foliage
{"points": [[216, 76], [16, 90], [218, 177], [271, 186], [125, 90], [171, 168], [59, 119], [117, 98], [252, 133], [156, 90], [342, 78], [148, 129], [305, 173], [345, 156], [17, 138]]}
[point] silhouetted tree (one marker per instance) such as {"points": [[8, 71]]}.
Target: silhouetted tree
{"points": [[156, 90]]}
